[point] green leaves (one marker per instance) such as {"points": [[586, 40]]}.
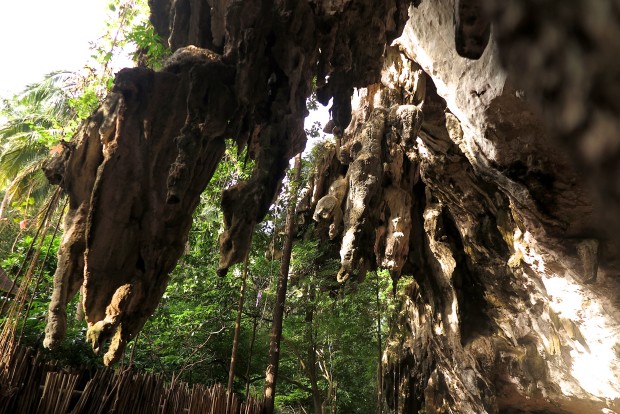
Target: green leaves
{"points": [[34, 121], [84, 105], [150, 49]]}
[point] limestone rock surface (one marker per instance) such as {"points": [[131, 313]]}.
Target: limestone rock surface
{"points": [[512, 267]]}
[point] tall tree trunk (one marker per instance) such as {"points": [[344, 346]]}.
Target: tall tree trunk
{"points": [[278, 310], [379, 409], [233, 356], [317, 400], [247, 371]]}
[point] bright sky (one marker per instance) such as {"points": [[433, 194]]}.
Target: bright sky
{"points": [[41, 36]]}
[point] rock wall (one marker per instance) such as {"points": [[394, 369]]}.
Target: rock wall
{"points": [[511, 265], [535, 246]]}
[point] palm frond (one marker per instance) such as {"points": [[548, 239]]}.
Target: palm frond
{"points": [[30, 123], [48, 98], [20, 158], [52, 89], [31, 182]]}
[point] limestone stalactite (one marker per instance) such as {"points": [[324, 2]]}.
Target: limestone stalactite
{"points": [[499, 239]]}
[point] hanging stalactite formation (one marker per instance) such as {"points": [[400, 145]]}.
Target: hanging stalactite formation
{"points": [[136, 168]]}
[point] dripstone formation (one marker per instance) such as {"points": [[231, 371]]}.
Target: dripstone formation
{"points": [[475, 157]]}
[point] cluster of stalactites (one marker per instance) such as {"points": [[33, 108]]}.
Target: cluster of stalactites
{"points": [[136, 168], [367, 208]]}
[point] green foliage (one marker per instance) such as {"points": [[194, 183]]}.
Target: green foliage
{"points": [[339, 327], [150, 49], [35, 117], [74, 351], [312, 103], [33, 122], [123, 16], [314, 131], [35, 323], [128, 27], [84, 105]]}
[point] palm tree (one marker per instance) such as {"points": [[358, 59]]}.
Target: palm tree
{"points": [[31, 123]]}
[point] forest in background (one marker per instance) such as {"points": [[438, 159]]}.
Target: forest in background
{"points": [[332, 334]]}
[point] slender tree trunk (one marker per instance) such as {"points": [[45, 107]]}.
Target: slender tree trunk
{"points": [[247, 370], [278, 311], [233, 356], [380, 352], [328, 373], [317, 401]]}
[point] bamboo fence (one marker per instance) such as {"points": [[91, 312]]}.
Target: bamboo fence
{"points": [[28, 384]]}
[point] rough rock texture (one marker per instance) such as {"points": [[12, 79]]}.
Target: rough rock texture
{"points": [[512, 297], [329, 207], [131, 196], [451, 172]]}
